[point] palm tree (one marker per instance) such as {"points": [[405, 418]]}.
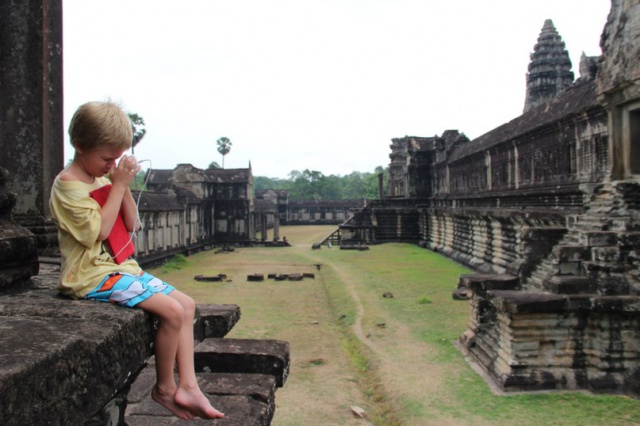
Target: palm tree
{"points": [[224, 146]]}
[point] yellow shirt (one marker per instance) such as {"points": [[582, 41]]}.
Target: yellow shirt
{"points": [[85, 260]]}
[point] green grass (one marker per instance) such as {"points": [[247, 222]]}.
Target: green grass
{"points": [[421, 283], [176, 263], [414, 274]]}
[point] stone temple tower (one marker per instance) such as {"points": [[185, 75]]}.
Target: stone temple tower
{"points": [[549, 69]]}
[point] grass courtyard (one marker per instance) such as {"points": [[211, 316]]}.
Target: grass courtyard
{"points": [[392, 356]]}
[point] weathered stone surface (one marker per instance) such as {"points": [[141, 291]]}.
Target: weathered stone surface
{"points": [[571, 284], [244, 356], [253, 402], [50, 360], [481, 283], [18, 250], [215, 320], [527, 302], [31, 119], [240, 410], [54, 350]]}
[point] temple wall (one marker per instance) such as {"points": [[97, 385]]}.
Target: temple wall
{"points": [[489, 242], [545, 209], [327, 212]]}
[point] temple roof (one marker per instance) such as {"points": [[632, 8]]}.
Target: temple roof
{"points": [[573, 101], [229, 175], [164, 176], [157, 201]]}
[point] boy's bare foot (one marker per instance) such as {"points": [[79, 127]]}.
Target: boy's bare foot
{"points": [[194, 400], [168, 402]]}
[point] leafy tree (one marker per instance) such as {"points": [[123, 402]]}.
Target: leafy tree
{"points": [[313, 185], [138, 127], [224, 146], [213, 165], [262, 183], [138, 181]]}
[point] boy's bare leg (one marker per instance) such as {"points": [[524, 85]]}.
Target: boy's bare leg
{"points": [[166, 346], [189, 394]]}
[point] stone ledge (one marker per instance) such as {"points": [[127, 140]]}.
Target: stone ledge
{"points": [[481, 283], [519, 302], [244, 356], [61, 360], [215, 320], [62, 364]]}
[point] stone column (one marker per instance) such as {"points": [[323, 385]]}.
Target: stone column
{"points": [[276, 226], [18, 255], [263, 224], [31, 109]]}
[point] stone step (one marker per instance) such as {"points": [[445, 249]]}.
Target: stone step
{"points": [[244, 356], [246, 399], [215, 320]]}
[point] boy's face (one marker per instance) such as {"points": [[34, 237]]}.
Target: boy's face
{"points": [[98, 162]]}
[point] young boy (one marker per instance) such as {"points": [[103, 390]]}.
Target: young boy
{"points": [[100, 132]]}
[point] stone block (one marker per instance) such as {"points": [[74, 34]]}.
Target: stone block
{"points": [[255, 406], [630, 239], [616, 305], [240, 410], [570, 284], [527, 302], [612, 285], [18, 254], [53, 353], [605, 254], [601, 239], [566, 253], [484, 282], [244, 356], [570, 267], [215, 320]]}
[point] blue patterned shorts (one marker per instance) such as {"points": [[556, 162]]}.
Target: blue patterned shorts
{"points": [[128, 290]]}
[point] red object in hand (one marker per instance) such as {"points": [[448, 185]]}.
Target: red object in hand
{"points": [[119, 241]]}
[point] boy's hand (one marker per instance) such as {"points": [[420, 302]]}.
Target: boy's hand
{"points": [[126, 170]]}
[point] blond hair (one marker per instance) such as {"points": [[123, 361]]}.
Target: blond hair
{"points": [[100, 124]]}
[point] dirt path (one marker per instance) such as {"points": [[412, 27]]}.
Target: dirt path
{"points": [[412, 390]]}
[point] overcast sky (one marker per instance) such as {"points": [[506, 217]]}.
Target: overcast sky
{"points": [[309, 84]]}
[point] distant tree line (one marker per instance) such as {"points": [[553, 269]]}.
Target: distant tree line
{"points": [[313, 185]]}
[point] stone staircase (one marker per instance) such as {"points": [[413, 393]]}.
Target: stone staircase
{"points": [[599, 253], [66, 362]]}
